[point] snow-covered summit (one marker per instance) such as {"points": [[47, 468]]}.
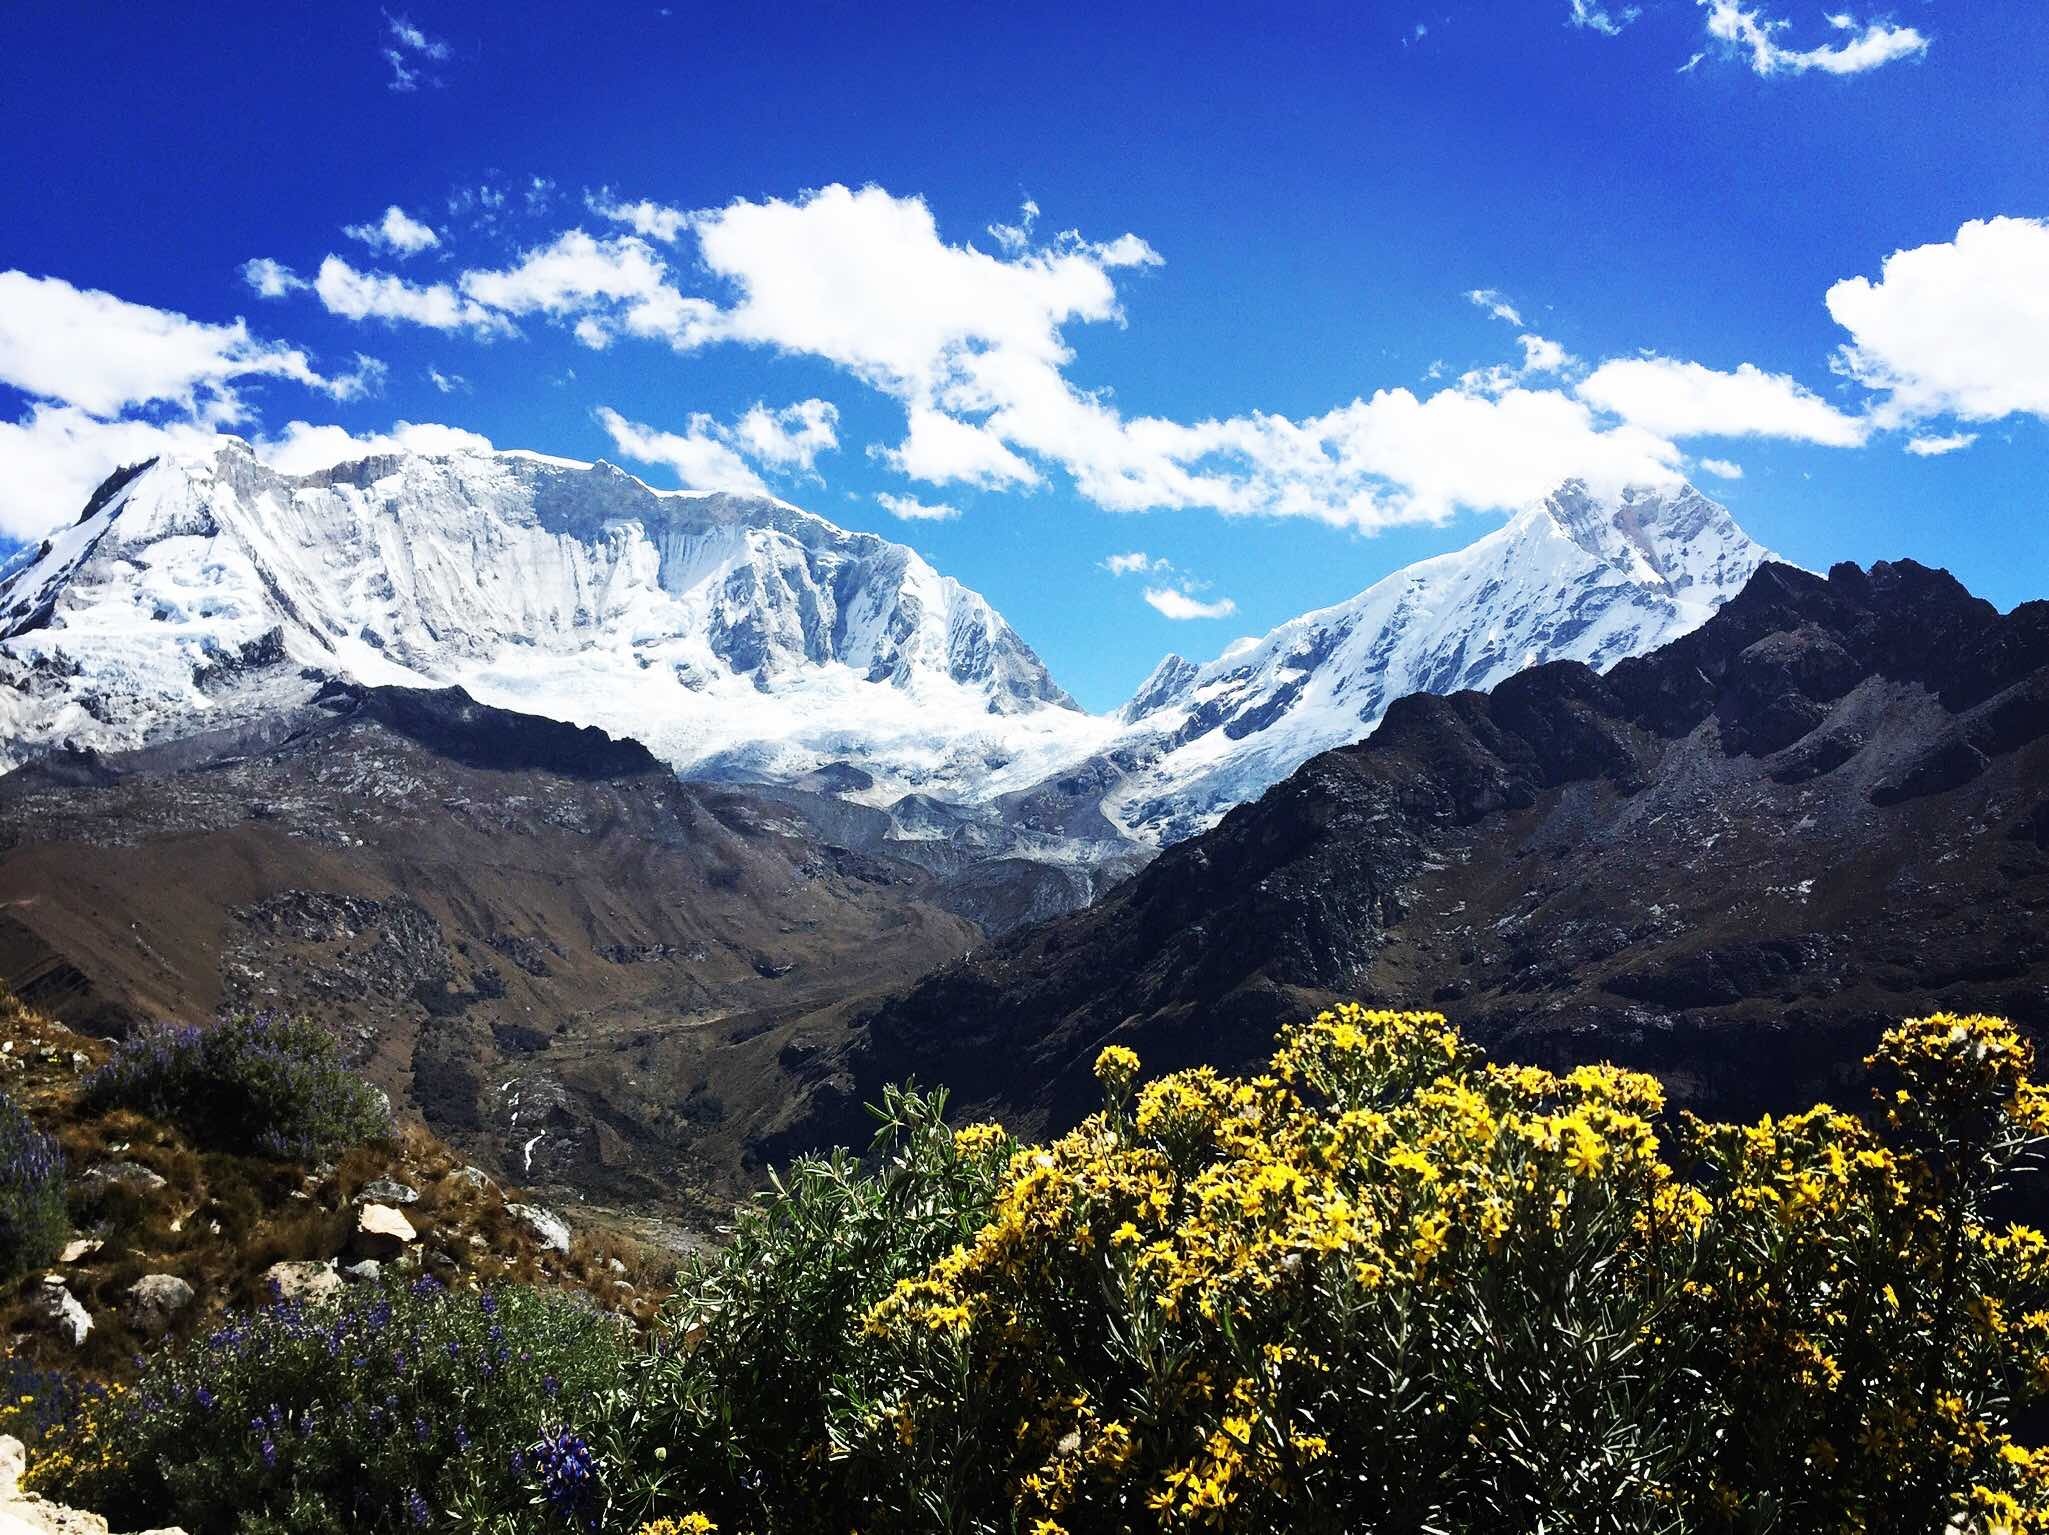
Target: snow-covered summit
{"points": [[731, 634], [1577, 577]]}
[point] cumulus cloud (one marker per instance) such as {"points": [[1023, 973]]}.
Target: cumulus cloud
{"points": [[913, 510], [302, 447], [700, 455], [649, 219], [1749, 33], [1598, 18], [395, 232], [790, 438], [1136, 563], [1722, 468], [409, 50], [1956, 328], [1686, 399], [357, 295], [605, 286], [1935, 447], [52, 459], [1178, 605], [271, 279], [83, 347]]}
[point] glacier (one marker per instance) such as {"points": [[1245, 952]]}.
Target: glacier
{"points": [[740, 637]]}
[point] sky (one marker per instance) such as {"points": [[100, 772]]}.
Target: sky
{"points": [[1156, 324]]}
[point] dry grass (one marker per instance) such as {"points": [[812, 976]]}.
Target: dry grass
{"points": [[220, 1221]]}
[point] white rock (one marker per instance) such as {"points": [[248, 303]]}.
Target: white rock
{"points": [[304, 1280], [381, 1233], [78, 1249], [60, 1308], [546, 1227]]}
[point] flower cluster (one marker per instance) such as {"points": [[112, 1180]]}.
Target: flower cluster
{"points": [[1387, 1285], [261, 1083], [387, 1408], [32, 1218]]}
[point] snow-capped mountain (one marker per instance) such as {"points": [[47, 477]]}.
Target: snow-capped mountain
{"points": [[1578, 577], [733, 635]]}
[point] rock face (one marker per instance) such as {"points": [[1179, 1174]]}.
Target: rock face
{"points": [[1731, 861], [154, 1301], [381, 1233], [728, 633], [1578, 577], [547, 1228]]}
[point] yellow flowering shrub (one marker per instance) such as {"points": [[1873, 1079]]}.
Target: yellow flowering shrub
{"points": [[1386, 1285]]}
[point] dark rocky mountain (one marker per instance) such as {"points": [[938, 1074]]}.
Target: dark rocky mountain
{"points": [[1731, 861], [588, 974]]}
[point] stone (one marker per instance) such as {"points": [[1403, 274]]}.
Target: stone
{"points": [[476, 1178], [304, 1280], [386, 1191], [547, 1228], [154, 1301], [364, 1271], [381, 1232], [615, 1265], [60, 1308], [13, 1461], [131, 1176], [78, 1249]]}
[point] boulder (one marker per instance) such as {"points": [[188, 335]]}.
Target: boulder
{"points": [[547, 1228], [60, 1308], [131, 1176], [302, 1281], [13, 1461], [154, 1301], [386, 1191], [363, 1271], [381, 1233]]}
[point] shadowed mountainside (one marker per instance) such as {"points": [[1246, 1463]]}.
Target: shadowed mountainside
{"points": [[1731, 861]]}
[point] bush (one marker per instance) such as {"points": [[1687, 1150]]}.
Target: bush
{"points": [[1383, 1286], [259, 1083], [33, 1223], [387, 1408], [37, 1403]]}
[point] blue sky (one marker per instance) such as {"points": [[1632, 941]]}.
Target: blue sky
{"points": [[1257, 358]]}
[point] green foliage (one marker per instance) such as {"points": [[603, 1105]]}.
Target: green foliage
{"points": [[760, 1334], [257, 1083], [1384, 1286], [33, 1223], [386, 1408]]}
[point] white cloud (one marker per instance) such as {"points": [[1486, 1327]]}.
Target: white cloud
{"points": [[83, 347], [1935, 447], [944, 450], [1169, 603], [447, 383], [1958, 328], [1685, 399], [395, 232], [913, 510], [52, 459], [375, 295], [271, 279], [302, 447], [1750, 31], [1136, 563], [1597, 18], [790, 438], [605, 286], [1495, 303], [1722, 468], [405, 47], [646, 218], [1543, 355], [701, 457]]}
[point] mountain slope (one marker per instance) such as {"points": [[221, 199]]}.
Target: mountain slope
{"points": [[735, 636], [1577, 577], [1730, 861]]}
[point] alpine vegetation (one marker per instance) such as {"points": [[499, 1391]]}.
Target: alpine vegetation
{"points": [[32, 1218]]}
